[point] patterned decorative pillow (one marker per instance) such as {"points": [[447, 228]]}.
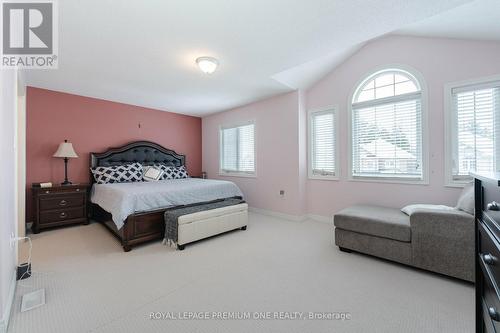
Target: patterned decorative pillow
{"points": [[172, 172], [168, 171], [118, 173], [181, 172], [152, 173]]}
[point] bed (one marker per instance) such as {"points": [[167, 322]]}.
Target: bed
{"points": [[134, 212]]}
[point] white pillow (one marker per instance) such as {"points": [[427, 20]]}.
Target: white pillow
{"points": [[152, 174], [410, 209], [466, 200]]}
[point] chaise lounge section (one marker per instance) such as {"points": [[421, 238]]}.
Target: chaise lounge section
{"points": [[438, 240]]}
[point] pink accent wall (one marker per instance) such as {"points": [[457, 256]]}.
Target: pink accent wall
{"points": [[281, 131], [94, 125]]}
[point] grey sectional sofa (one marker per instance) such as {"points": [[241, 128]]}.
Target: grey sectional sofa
{"points": [[437, 240]]}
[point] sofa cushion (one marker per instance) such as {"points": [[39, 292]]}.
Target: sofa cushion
{"points": [[377, 221], [410, 209], [466, 200]]}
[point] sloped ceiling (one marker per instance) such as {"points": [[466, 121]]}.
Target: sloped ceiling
{"points": [[475, 20], [143, 53]]}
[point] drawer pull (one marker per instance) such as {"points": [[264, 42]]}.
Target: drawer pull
{"points": [[493, 314], [489, 259], [62, 215], [78, 190], [63, 203], [493, 206]]}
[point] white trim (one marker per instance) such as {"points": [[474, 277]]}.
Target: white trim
{"points": [[320, 218], [289, 217], [293, 218], [335, 110], [239, 173], [425, 126], [320, 177], [486, 84], [18, 189], [387, 100], [389, 180], [450, 128], [4, 321], [21, 157], [237, 124], [385, 69]]}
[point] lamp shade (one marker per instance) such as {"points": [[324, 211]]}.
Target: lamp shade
{"points": [[65, 150]]}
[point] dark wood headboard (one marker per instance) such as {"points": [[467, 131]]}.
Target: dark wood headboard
{"points": [[144, 152]]}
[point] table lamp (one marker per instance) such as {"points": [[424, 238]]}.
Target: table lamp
{"points": [[65, 151]]}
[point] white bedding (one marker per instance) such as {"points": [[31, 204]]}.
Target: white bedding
{"points": [[124, 199]]}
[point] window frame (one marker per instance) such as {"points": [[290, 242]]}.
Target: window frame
{"points": [[244, 174], [419, 80], [329, 109], [450, 126]]}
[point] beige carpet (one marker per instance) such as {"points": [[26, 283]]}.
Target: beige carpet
{"points": [[276, 265]]}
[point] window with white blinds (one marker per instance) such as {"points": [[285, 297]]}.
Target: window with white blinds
{"points": [[322, 144], [476, 139], [237, 149], [387, 128]]}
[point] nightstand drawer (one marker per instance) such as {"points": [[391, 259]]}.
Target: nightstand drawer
{"points": [[61, 190], [62, 215], [59, 206], [61, 201]]}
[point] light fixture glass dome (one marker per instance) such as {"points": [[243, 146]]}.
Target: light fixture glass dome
{"points": [[207, 65]]}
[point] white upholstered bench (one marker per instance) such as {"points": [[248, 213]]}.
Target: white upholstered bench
{"points": [[207, 223]]}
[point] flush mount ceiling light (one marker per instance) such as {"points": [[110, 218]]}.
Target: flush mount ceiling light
{"points": [[207, 65]]}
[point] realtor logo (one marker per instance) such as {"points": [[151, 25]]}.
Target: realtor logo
{"points": [[29, 34]]}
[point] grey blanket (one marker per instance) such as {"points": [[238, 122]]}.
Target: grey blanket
{"points": [[172, 216]]}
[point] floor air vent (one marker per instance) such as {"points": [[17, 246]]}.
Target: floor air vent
{"points": [[33, 300]]}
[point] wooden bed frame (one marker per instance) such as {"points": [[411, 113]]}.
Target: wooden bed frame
{"points": [[140, 227]]}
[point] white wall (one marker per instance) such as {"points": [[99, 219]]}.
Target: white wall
{"points": [[21, 156], [440, 61], [282, 131], [277, 153], [8, 195]]}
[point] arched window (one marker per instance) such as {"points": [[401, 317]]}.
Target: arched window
{"points": [[387, 127]]}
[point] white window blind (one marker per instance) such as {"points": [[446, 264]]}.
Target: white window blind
{"points": [[387, 128], [322, 143], [238, 149], [476, 110]]}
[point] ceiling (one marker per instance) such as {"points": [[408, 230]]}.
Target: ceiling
{"points": [[475, 20], [145, 54]]}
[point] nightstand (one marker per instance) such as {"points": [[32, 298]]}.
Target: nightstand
{"points": [[59, 205]]}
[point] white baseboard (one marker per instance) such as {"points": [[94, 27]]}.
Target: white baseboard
{"points": [[4, 321], [320, 218], [294, 218]]}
